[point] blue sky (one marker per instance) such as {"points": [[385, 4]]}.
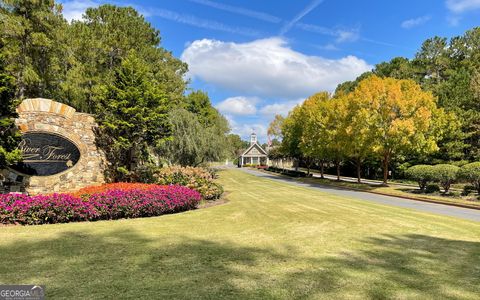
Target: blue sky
{"points": [[259, 58]]}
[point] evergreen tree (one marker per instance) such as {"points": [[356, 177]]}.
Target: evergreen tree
{"points": [[132, 115], [98, 45], [9, 136], [33, 49]]}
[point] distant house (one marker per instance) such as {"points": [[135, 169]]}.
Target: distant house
{"points": [[254, 155]]}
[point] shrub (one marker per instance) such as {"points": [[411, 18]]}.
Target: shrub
{"points": [[116, 204], [422, 174], [109, 204], [124, 186], [445, 175], [468, 189], [198, 179], [56, 208], [471, 174], [432, 188]]}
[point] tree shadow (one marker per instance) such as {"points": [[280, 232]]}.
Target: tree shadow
{"points": [[126, 264]]}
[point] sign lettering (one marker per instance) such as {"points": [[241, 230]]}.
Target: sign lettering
{"points": [[46, 154]]}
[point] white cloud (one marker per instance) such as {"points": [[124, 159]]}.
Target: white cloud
{"points": [[461, 6], [200, 23], [268, 67], [245, 130], [347, 36], [311, 6], [280, 108], [239, 106], [74, 10], [342, 35], [410, 23], [239, 10], [328, 47]]}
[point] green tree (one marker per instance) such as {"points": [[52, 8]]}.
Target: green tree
{"points": [[198, 103], [100, 42], [236, 145], [193, 144], [132, 115], [9, 136], [398, 67], [33, 50]]}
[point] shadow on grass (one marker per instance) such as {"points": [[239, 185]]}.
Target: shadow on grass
{"points": [[125, 264]]}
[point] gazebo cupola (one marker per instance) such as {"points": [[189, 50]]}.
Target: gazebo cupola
{"points": [[253, 138]]}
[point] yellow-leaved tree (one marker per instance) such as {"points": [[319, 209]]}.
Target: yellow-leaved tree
{"points": [[356, 128], [314, 114], [400, 116]]}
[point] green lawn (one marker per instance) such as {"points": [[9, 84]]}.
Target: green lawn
{"points": [[271, 240]]}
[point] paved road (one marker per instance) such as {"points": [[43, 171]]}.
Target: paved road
{"points": [[372, 182], [452, 211]]}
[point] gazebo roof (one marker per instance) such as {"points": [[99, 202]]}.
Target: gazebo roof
{"points": [[252, 146]]}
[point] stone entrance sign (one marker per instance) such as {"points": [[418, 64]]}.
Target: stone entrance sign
{"points": [[46, 154], [58, 143]]}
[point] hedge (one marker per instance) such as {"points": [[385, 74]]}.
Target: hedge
{"points": [[471, 174], [445, 175], [422, 174]]}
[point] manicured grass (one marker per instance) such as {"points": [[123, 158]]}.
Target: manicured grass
{"points": [[272, 240]]}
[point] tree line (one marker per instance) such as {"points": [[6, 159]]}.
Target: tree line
{"points": [[424, 110], [110, 64]]}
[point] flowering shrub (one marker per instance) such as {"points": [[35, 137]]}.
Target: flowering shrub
{"points": [[123, 186], [56, 208], [198, 179], [108, 204]]}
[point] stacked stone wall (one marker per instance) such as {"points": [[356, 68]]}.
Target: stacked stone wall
{"points": [[44, 115]]}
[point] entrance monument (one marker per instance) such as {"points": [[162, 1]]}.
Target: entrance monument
{"points": [[59, 149]]}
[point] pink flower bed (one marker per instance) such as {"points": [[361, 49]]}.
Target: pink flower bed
{"points": [[111, 204]]}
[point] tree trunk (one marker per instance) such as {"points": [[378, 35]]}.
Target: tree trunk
{"points": [[359, 171], [309, 164], [386, 160], [338, 170], [321, 169]]}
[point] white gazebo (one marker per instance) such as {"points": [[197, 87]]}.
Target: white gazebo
{"points": [[254, 155]]}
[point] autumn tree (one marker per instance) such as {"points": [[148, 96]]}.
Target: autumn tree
{"points": [[356, 123], [403, 117], [275, 127], [292, 130], [315, 142]]}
